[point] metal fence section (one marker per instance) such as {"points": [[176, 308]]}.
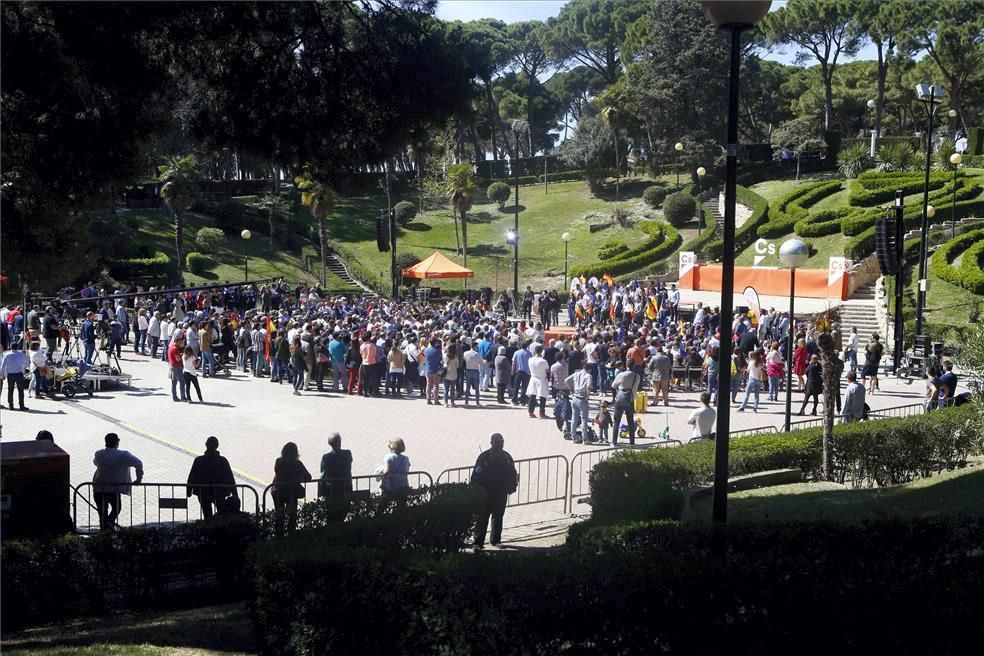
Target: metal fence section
{"points": [[805, 423], [761, 430], [152, 504], [581, 466], [898, 411], [540, 480], [354, 487]]}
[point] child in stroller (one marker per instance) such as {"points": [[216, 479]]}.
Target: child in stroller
{"points": [[221, 353]]}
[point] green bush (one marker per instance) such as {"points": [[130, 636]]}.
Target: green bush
{"points": [[611, 249], [874, 188], [790, 208], [897, 157], [860, 246], [704, 242], [210, 239], [45, 580], [158, 266], [854, 160], [822, 223], [498, 192], [679, 208], [199, 262], [405, 212], [859, 220], [747, 233], [892, 586], [968, 275], [663, 242], [653, 196]]}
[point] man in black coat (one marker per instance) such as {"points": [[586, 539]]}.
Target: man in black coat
{"points": [[814, 384], [495, 471], [335, 484], [207, 472]]}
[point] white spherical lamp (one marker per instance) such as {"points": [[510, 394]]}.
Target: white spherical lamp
{"points": [[930, 211], [246, 234], [566, 236], [701, 171], [793, 253], [871, 104], [678, 146], [956, 158]]}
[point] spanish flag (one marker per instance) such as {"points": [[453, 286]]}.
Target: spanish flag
{"points": [[611, 310], [608, 278], [651, 310], [579, 312], [266, 346]]}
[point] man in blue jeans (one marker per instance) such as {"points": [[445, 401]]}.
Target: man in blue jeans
{"points": [[12, 367], [473, 369], [521, 375], [580, 384], [87, 333]]}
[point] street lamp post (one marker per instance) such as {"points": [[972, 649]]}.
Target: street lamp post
{"points": [[701, 172], [793, 254], [512, 238], [955, 159], [932, 96], [517, 128], [566, 237], [679, 148], [874, 133], [734, 17], [246, 235]]}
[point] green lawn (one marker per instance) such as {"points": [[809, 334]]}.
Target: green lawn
{"points": [[208, 631], [157, 234], [960, 491], [543, 218]]}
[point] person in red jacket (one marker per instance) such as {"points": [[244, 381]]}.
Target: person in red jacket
{"points": [[176, 366]]}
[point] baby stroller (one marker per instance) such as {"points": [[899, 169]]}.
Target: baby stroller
{"points": [[221, 352], [68, 381]]}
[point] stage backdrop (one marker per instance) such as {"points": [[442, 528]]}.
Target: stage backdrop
{"points": [[769, 281]]}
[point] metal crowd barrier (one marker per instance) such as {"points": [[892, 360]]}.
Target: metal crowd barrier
{"points": [[898, 411], [362, 485], [760, 430], [153, 504], [540, 480]]}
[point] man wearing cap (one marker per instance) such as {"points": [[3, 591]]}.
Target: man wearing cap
{"points": [[495, 471]]}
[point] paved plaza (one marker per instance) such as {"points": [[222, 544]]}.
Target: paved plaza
{"points": [[253, 418]]}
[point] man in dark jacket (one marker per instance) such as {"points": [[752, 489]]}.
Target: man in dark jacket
{"points": [[207, 472], [494, 470], [814, 384], [336, 478]]}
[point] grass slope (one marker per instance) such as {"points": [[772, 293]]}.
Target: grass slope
{"points": [[955, 492], [157, 234], [543, 218]]}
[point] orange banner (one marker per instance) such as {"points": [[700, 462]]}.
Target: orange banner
{"points": [[768, 281]]}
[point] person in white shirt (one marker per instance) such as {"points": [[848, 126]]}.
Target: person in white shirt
{"points": [[473, 370], [539, 386], [702, 419], [112, 478], [851, 350]]}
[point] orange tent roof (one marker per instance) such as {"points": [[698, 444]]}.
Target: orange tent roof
{"points": [[437, 266]]}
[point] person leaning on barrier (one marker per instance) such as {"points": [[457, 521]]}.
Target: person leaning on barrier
{"points": [[496, 472], [853, 399], [210, 470], [112, 479], [289, 477], [392, 474], [335, 483]]}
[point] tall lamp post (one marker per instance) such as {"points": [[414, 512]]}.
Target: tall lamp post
{"points": [[734, 17], [566, 237], [874, 133], [932, 96], [701, 172], [512, 237], [793, 254], [246, 235], [518, 127], [955, 159], [679, 148]]}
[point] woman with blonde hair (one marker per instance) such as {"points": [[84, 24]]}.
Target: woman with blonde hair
{"points": [[393, 472]]}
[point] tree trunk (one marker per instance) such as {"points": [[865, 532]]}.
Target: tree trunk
{"points": [[457, 242], [420, 181], [477, 145], [464, 241], [270, 218], [880, 98], [615, 135], [831, 385], [797, 167], [324, 251], [828, 95], [493, 117], [178, 240]]}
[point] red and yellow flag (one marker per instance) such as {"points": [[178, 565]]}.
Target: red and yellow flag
{"points": [[579, 312], [608, 278], [266, 346], [651, 310]]}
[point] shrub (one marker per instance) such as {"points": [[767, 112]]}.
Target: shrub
{"points": [[663, 242], [968, 275], [704, 243], [676, 595], [856, 222], [653, 196], [853, 160], [790, 208], [898, 156], [822, 223], [679, 208], [620, 217], [157, 266], [875, 188], [209, 239], [405, 212], [199, 262], [611, 249], [861, 246], [499, 192]]}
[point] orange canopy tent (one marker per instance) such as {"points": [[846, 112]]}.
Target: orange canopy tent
{"points": [[437, 266]]}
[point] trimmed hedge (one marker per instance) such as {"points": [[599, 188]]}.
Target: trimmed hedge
{"points": [[653, 196], [859, 220], [701, 242], [199, 262], [860, 246], [888, 586], [679, 208], [406, 211], [748, 232], [791, 207], [498, 192], [48, 579], [663, 241], [968, 275], [875, 188], [822, 223], [611, 249], [158, 266], [210, 239]]}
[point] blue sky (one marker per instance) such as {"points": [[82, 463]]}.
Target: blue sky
{"points": [[511, 11]]}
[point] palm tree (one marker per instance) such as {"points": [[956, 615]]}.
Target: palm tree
{"points": [[180, 178], [611, 101], [461, 187], [831, 384], [320, 198], [272, 204]]}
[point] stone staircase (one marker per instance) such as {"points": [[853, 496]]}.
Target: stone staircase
{"points": [[710, 198], [859, 312], [336, 266], [962, 225]]}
